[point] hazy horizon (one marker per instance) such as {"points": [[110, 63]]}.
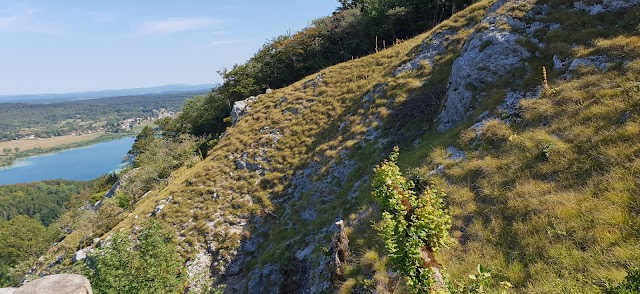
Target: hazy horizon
{"points": [[76, 46], [191, 86]]}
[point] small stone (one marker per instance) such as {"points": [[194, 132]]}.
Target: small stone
{"points": [[80, 255], [455, 154], [558, 63], [600, 62]]}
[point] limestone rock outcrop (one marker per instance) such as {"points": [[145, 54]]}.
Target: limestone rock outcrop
{"points": [[57, 284], [241, 108], [486, 56]]}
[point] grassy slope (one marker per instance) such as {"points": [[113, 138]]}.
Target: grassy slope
{"points": [[569, 223], [311, 135], [562, 224]]}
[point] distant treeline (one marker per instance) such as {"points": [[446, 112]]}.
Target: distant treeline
{"points": [[47, 120], [355, 29]]}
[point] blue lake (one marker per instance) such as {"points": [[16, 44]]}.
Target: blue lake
{"points": [[76, 164]]}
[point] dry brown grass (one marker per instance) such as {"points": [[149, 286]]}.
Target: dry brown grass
{"points": [[46, 143]]}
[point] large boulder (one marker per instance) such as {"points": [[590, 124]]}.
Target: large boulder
{"points": [[486, 56], [8, 290], [57, 284], [240, 108]]}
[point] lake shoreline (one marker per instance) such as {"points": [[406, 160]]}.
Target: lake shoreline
{"points": [[82, 163], [9, 161]]}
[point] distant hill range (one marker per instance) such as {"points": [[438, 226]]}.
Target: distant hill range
{"points": [[51, 98]]}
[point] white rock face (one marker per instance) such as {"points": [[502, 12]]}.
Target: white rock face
{"points": [[241, 108], [198, 270], [64, 283], [80, 255], [161, 204], [487, 55]]}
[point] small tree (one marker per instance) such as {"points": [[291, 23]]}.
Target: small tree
{"points": [[143, 140], [413, 226]]}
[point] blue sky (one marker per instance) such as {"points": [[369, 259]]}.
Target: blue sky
{"points": [[68, 46]]}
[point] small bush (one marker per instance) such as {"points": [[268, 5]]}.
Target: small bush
{"points": [[147, 262], [630, 285], [412, 227], [495, 132]]}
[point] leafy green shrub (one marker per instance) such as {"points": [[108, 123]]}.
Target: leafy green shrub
{"points": [[203, 115], [160, 158], [123, 200], [412, 225], [631, 284], [480, 282], [147, 262]]}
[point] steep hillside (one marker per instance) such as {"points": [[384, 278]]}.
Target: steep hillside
{"points": [[526, 113]]}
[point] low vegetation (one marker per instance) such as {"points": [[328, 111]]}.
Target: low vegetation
{"points": [[414, 226], [145, 262], [29, 215]]}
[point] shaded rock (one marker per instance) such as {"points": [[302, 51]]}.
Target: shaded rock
{"points": [[340, 247], [113, 189], [266, 279], [305, 252], [251, 245], [320, 184], [455, 154], [367, 99], [314, 82], [7, 290], [600, 62], [559, 63], [308, 214], [604, 5], [292, 110], [436, 45], [57, 284], [235, 266], [436, 171]]}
